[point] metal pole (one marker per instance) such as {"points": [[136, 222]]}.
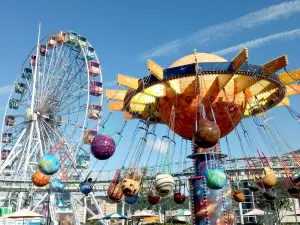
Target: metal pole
{"points": [[294, 206], [84, 210], [123, 208], [35, 71], [241, 213]]}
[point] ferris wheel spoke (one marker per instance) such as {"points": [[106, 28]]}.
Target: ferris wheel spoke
{"points": [[58, 59], [66, 69], [46, 137], [57, 86], [65, 86]]}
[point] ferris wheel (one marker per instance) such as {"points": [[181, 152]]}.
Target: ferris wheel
{"points": [[56, 100]]}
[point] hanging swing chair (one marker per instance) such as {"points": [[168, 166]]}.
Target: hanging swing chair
{"points": [[270, 195], [114, 191], [131, 186], [178, 197]]}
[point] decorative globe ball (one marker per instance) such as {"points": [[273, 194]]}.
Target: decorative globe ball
{"points": [[49, 164], [57, 185], [207, 135], [85, 188], [153, 199], [39, 179], [115, 193], [179, 198], [164, 184], [130, 187], [103, 147], [215, 178], [238, 196], [131, 200]]}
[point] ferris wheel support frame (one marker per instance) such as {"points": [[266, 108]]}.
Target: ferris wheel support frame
{"points": [[33, 124]]}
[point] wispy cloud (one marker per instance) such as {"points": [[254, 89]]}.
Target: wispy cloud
{"points": [[288, 35], [4, 90], [272, 13], [159, 145]]}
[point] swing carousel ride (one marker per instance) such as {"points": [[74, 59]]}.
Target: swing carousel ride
{"points": [[202, 98], [52, 124]]}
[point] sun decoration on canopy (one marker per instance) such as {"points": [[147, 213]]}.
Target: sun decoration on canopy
{"points": [[228, 91]]}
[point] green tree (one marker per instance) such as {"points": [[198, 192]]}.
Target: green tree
{"points": [[278, 206]]}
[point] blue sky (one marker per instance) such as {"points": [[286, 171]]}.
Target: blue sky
{"points": [[126, 33]]}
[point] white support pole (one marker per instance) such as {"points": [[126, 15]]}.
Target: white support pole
{"points": [[35, 72], [84, 210], [123, 208], [39, 138], [98, 208], [241, 213], [90, 211], [20, 200], [294, 206], [40, 202], [160, 216]]}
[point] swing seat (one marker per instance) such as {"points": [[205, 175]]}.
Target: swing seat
{"points": [[130, 187], [297, 179], [270, 195], [253, 187], [153, 199], [294, 192], [115, 193], [131, 200], [269, 179], [238, 196], [179, 198]]}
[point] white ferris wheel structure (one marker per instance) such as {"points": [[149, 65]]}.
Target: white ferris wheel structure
{"points": [[55, 105]]}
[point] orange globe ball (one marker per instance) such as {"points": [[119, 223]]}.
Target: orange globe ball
{"points": [[39, 179]]}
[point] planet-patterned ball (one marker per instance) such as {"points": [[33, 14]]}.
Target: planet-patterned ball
{"points": [[215, 178], [57, 185], [103, 147], [49, 164], [85, 188], [207, 135], [39, 179]]}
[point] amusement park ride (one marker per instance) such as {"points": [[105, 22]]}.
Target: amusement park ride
{"points": [[52, 124]]}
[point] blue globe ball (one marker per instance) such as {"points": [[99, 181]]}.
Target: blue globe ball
{"points": [[85, 188], [49, 164], [131, 200], [57, 185]]}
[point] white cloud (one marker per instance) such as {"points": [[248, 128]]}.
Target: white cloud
{"points": [[288, 35], [272, 13], [160, 145], [4, 90]]}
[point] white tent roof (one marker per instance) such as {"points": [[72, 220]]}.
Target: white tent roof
{"points": [[142, 214], [24, 213], [255, 212]]}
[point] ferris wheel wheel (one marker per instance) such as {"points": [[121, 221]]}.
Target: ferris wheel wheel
{"points": [[57, 98]]}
